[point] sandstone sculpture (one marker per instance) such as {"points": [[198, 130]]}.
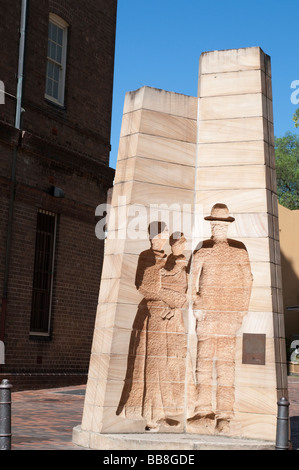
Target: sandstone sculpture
{"points": [[222, 280], [154, 384]]}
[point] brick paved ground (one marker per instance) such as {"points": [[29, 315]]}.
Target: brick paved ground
{"points": [[44, 419]]}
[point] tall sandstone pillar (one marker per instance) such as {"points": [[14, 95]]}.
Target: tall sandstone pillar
{"points": [[155, 178], [236, 167]]}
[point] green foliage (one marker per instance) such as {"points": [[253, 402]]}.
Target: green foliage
{"points": [[296, 118], [287, 169]]}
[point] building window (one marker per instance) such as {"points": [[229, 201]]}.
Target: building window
{"points": [[56, 60], [46, 229]]}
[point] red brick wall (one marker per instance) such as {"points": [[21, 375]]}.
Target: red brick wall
{"points": [[9, 55], [84, 124], [68, 148], [78, 265], [86, 119]]}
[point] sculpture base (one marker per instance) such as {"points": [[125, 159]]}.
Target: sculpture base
{"points": [[162, 442]]}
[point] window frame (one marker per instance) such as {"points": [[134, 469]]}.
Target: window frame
{"points": [[52, 269], [62, 24]]}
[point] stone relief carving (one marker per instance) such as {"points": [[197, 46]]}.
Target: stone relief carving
{"points": [[155, 380], [221, 281]]}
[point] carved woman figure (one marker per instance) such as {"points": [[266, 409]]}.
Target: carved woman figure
{"points": [[154, 383]]}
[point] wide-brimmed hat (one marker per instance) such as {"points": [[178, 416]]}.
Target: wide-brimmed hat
{"points": [[220, 212]]}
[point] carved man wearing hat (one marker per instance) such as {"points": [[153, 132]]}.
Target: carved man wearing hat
{"points": [[221, 289]]}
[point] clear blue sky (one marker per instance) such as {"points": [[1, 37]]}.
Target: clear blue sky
{"points": [[159, 42]]}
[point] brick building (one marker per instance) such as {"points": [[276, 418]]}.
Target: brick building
{"points": [[57, 62]]}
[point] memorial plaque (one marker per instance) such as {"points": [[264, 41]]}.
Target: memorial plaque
{"points": [[254, 349]]}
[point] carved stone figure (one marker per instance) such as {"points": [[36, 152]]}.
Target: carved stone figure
{"points": [[155, 380], [222, 281], [174, 281]]}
